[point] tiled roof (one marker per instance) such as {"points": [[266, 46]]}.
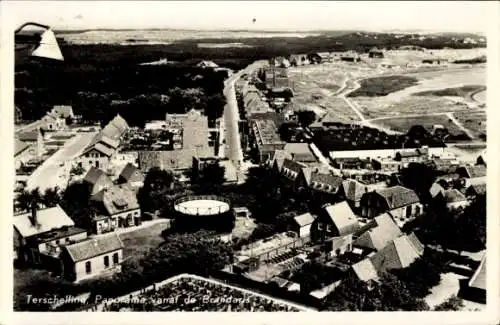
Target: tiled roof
{"points": [[478, 279], [19, 146], [304, 219], [365, 270], [436, 188], [112, 143], [130, 173], [295, 166], [116, 199], [47, 219], [342, 217], [399, 253], [378, 237], [279, 158], [478, 188], [453, 195], [93, 175], [120, 123], [398, 196], [173, 160], [93, 247], [102, 149]]}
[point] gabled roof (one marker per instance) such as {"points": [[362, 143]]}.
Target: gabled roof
{"points": [[383, 233], [279, 158], [293, 165], [342, 217], [93, 247], [473, 171], [453, 195], [436, 189], [112, 143], [364, 270], [478, 279], [398, 196], [116, 199], [173, 159], [479, 189], [324, 177], [304, 219], [47, 219], [399, 253], [130, 173], [94, 175], [19, 146], [353, 189], [101, 148], [119, 122], [207, 64]]}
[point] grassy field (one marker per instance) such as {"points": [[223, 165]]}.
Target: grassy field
{"points": [[382, 86], [139, 242], [474, 121], [403, 124], [463, 91]]}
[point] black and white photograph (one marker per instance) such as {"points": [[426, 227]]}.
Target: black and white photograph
{"points": [[266, 156]]}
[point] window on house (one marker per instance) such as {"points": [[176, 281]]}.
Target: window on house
{"points": [[57, 242], [115, 258], [97, 164], [88, 267], [320, 226], [408, 211], [417, 210], [67, 239], [106, 261], [329, 228]]}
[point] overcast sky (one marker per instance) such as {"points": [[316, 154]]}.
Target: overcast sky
{"points": [[278, 15]]}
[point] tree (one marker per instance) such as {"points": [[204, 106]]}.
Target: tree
{"points": [[314, 276], [211, 176], [27, 199], [306, 118], [451, 304], [263, 230], [157, 185], [419, 177], [77, 204], [77, 170], [51, 197]]}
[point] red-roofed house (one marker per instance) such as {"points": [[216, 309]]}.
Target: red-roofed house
{"points": [[92, 257], [403, 203]]}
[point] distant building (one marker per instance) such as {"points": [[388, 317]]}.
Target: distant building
{"points": [[277, 159], [53, 123], [402, 203], [33, 138], [376, 53], [276, 78], [298, 59], [192, 131], [96, 256], [454, 199], [280, 62], [22, 153], [63, 111], [265, 139], [117, 207], [481, 159], [351, 163], [207, 64], [291, 170], [177, 161], [476, 186], [319, 180]]}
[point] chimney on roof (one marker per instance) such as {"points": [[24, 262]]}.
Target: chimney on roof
{"points": [[33, 217]]}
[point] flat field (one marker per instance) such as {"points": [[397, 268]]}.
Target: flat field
{"points": [[382, 86], [403, 124], [476, 122]]}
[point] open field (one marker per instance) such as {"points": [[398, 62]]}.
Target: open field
{"points": [[403, 124], [140, 241], [474, 121], [463, 91], [382, 86]]}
